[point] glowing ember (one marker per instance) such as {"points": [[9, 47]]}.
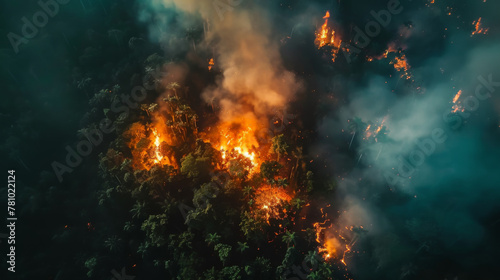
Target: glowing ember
{"points": [[381, 125], [373, 131], [456, 107], [347, 250], [368, 132], [325, 36], [457, 96], [400, 62], [211, 64], [268, 199], [478, 28]]}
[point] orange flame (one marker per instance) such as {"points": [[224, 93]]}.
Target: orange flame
{"points": [[347, 250], [400, 62], [157, 142], [237, 142], [375, 131], [457, 96], [145, 145], [328, 244], [325, 36]]}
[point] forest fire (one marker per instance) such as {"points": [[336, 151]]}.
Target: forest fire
{"points": [[266, 167], [326, 36]]}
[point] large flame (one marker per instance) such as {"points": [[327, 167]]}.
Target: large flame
{"points": [[326, 36], [238, 139], [322, 35], [157, 142]]}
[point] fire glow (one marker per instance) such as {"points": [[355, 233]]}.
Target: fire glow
{"points": [[373, 131], [328, 244], [399, 62], [456, 103], [478, 29], [268, 200], [211, 64]]}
